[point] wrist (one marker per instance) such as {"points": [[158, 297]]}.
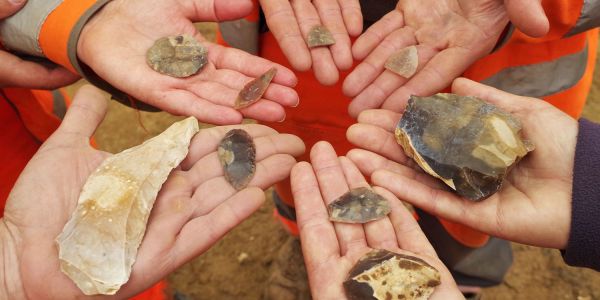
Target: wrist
{"points": [[11, 285]]}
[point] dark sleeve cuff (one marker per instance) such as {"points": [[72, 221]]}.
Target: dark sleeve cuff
{"points": [[583, 248]]}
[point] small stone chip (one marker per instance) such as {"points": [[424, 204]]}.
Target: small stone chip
{"points": [[360, 205], [404, 62], [469, 144], [319, 36], [254, 89], [237, 155], [383, 275], [177, 56]]}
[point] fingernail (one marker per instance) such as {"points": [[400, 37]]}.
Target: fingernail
{"points": [[282, 119], [297, 103], [16, 2]]}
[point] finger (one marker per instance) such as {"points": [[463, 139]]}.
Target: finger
{"points": [[186, 103], [15, 72], [216, 10], [210, 167], [377, 140], [282, 23], [353, 18], [438, 202], [85, 113], [265, 111], [330, 14], [436, 75], [379, 234], [386, 119], [368, 70], [407, 231], [275, 92], [319, 240], [333, 185], [509, 102], [323, 65], [528, 16], [213, 192], [207, 140], [369, 162], [376, 34], [386, 83], [250, 65], [201, 233], [8, 7]]}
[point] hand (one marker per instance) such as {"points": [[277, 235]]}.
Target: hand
{"points": [[331, 249], [291, 21], [450, 35], [46, 194], [16, 72], [534, 205], [115, 41]]}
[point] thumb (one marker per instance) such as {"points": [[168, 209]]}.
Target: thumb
{"points": [[217, 10], [528, 16], [85, 114], [10, 7]]}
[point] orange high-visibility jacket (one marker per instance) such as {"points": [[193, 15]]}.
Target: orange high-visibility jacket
{"points": [[50, 29], [557, 68]]}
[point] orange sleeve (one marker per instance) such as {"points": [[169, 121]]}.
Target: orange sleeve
{"points": [[60, 31]]}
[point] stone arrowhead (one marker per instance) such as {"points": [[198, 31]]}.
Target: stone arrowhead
{"points": [[469, 144], [99, 244], [382, 275], [360, 205], [177, 56], [404, 62], [320, 36], [237, 155], [254, 89]]}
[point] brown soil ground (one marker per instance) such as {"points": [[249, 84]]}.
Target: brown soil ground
{"points": [[218, 274]]}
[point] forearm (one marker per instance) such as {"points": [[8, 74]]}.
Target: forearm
{"points": [[583, 248], [11, 286]]}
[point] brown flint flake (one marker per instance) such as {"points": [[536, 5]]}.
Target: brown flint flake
{"points": [[254, 89], [177, 56], [319, 36], [383, 275], [469, 144], [237, 155], [404, 62], [360, 205]]}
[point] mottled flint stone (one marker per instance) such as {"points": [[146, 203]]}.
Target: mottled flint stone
{"points": [[177, 56], [404, 62], [237, 155], [255, 89], [383, 275], [320, 36], [469, 144], [99, 244], [360, 205]]}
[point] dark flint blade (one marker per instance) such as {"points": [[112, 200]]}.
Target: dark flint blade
{"points": [[360, 205], [237, 155]]}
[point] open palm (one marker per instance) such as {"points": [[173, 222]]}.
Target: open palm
{"points": [[534, 204], [194, 209], [331, 249], [114, 44], [450, 35]]}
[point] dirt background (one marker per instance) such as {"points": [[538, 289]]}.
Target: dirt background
{"points": [[219, 274]]}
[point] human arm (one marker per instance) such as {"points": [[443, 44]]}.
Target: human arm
{"points": [[331, 249], [106, 41], [291, 21], [17, 72], [449, 35], [534, 204], [207, 207]]}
